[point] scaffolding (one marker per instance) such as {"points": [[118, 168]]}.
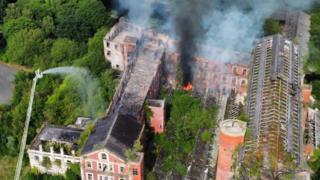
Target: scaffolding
{"points": [[273, 102]]}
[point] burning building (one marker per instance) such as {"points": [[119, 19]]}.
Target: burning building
{"points": [[106, 154], [274, 99], [210, 76]]}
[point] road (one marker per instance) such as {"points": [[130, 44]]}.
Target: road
{"points": [[6, 83]]}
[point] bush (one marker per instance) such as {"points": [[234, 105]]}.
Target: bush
{"points": [[46, 162], [206, 136], [84, 136], [73, 172], [244, 117], [58, 162], [272, 27]]}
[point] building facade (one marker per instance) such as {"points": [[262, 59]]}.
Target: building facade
{"points": [[210, 76], [274, 99], [104, 165], [296, 25], [54, 148], [157, 120], [110, 152]]}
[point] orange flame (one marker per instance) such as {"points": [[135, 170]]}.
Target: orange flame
{"points": [[187, 87]]}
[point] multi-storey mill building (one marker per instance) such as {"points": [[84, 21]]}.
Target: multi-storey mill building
{"points": [[273, 102]]}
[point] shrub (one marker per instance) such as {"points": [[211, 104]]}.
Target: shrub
{"points": [[46, 162], [58, 162], [206, 136], [84, 136]]}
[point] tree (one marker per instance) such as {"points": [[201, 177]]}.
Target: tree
{"points": [[94, 60], [12, 12], [79, 20], [24, 46], [73, 172], [271, 27], [15, 25], [64, 51], [47, 25], [66, 101], [314, 164]]}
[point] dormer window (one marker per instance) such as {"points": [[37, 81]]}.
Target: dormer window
{"points": [[103, 156]]}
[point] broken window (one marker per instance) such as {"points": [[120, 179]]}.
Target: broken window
{"points": [[134, 171], [234, 70], [244, 72], [234, 81], [89, 164], [243, 82]]}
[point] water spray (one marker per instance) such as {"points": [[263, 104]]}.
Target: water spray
{"points": [[38, 75]]}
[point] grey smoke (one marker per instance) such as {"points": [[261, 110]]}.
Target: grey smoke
{"points": [[224, 24]]}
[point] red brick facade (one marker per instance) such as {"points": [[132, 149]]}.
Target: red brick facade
{"points": [[157, 121]]}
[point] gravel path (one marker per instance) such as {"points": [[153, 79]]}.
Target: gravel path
{"points": [[6, 83]]}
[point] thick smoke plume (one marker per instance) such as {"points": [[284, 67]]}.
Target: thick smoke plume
{"points": [[224, 24], [190, 30]]}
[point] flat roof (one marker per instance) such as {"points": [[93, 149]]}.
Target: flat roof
{"points": [[55, 133], [233, 127]]}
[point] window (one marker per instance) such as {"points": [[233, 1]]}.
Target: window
{"points": [[224, 80], [134, 171], [122, 179], [111, 168], [234, 81], [99, 166], [104, 167], [109, 53], [36, 158], [117, 65], [108, 44], [235, 70], [89, 164], [103, 156], [90, 176], [102, 177], [110, 178], [116, 46], [121, 169], [244, 72], [243, 82]]}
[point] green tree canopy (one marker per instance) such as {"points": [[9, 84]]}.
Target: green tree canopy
{"points": [[25, 46], [64, 51], [14, 25], [271, 27]]}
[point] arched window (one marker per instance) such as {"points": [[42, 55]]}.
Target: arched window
{"points": [[104, 156]]}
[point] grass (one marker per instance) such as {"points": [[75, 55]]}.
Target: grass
{"points": [[7, 167]]}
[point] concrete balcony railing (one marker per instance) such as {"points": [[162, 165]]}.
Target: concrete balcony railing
{"points": [[60, 154]]}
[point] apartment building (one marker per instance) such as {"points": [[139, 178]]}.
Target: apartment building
{"points": [[274, 99]]}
